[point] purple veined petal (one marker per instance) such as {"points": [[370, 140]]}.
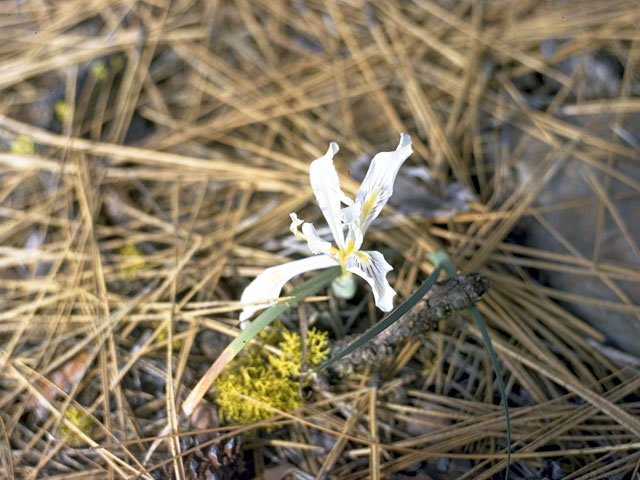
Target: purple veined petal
{"points": [[268, 285], [325, 184], [373, 268], [377, 186]]}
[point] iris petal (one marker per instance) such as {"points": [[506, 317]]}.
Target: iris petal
{"points": [[377, 186], [326, 188], [373, 268], [315, 243], [268, 284]]}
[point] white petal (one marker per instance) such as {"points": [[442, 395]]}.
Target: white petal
{"points": [[309, 234], [326, 187], [351, 216], [373, 268], [295, 224], [355, 236], [351, 213], [315, 243], [377, 186], [268, 284]]}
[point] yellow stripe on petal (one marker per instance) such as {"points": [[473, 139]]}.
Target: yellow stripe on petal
{"points": [[348, 249], [369, 203], [377, 185], [364, 258]]}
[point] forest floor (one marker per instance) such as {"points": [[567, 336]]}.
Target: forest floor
{"points": [[152, 151]]}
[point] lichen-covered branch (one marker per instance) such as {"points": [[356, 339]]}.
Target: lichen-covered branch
{"points": [[444, 298]]}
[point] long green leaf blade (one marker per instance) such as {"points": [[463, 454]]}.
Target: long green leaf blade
{"points": [[441, 258]]}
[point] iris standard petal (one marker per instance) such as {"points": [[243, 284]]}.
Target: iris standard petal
{"points": [[377, 185], [351, 216], [326, 188], [373, 268], [268, 284]]}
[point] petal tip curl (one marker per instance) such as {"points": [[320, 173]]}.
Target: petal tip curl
{"points": [[405, 141]]}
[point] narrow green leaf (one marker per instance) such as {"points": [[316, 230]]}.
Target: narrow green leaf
{"points": [[386, 322], [307, 289], [441, 258], [496, 366]]}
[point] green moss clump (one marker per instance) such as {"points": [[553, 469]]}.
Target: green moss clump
{"points": [[269, 379], [134, 261], [80, 420], [23, 145]]}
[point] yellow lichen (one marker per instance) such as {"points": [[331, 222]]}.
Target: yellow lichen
{"points": [[317, 346], [163, 335], [255, 379], [428, 364], [134, 261], [290, 358], [23, 145], [61, 110], [99, 70], [84, 423]]}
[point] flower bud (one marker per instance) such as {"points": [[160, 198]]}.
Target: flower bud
{"points": [[344, 286]]}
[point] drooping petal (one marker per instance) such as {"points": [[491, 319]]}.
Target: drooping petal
{"points": [[268, 284], [373, 268], [377, 186], [315, 243], [309, 234], [326, 188]]}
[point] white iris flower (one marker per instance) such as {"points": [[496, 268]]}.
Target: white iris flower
{"points": [[355, 218]]}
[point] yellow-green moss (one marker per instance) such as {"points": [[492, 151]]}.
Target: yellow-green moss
{"points": [[290, 358], [268, 378], [99, 70], [163, 335], [23, 145], [80, 420], [134, 261], [61, 110]]}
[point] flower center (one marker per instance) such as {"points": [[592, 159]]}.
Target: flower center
{"points": [[344, 253]]}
